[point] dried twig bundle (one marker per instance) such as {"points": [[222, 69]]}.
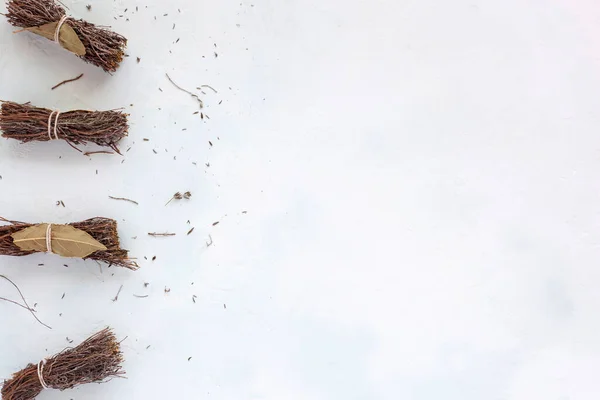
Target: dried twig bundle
{"points": [[98, 46], [27, 123], [94, 360], [94, 239]]}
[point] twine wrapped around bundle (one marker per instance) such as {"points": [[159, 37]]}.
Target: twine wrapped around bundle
{"points": [[94, 239], [98, 46], [27, 123], [95, 360]]}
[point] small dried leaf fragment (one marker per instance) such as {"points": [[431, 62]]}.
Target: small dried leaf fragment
{"points": [[67, 36], [66, 240]]}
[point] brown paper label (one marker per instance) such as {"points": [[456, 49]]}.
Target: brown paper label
{"points": [[66, 240], [67, 36]]}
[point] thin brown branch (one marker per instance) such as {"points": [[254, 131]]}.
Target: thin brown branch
{"points": [[89, 153], [27, 307], [210, 87], [161, 234], [195, 96], [17, 304], [67, 81], [124, 199], [118, 293]]}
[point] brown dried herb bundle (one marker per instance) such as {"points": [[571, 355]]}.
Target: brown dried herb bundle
{"points": [[102, 236], [27, 123], [100, 46], [94, 360]]}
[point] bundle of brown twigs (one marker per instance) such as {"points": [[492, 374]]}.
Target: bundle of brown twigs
{"points": [[27, 123], [101, 46], [95, 360], [102, 234]]}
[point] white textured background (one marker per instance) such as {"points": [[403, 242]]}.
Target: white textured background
{"points": [[421, 180]]}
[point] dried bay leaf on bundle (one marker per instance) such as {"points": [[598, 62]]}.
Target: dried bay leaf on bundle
{"points": [[66, 240], [67, 37]]}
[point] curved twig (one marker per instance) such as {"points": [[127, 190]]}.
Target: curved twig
{"points": [[27, 307]]}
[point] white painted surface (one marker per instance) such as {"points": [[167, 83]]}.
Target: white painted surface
{"points": [[421, 180]]}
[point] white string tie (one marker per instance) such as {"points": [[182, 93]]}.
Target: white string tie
{"points": [[58, 26], [49, 238], [40, 372], [56, 113]]}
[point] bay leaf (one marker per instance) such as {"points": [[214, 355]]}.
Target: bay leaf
{"points": [[67, 241], [67, 36], [32, 238]]}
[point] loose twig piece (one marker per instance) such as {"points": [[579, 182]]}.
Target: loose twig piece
{"points": [[124, 199], [179, 196], [26, 306], [208, 86], [91, 153], [161, 234], [67, 81], [118, 293], [95, 360], [195, 96]]}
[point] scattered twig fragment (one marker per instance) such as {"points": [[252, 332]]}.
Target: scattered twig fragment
{"points": [[176, 196], [207, 86], [67, 81], [190, 231], [89, 153], [161, 234], [26, 306], [118, 293], [187, 195], [208, 244], [140, 297], [167, 290], [216, 223], [200, 102], [89, 7], [124, 199], [194, 298], [60, 203]]}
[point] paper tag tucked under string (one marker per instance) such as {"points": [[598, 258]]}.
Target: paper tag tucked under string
{"points": [[67, 38]]}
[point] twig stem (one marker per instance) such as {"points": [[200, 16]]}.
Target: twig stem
{"points": [[27, 307], [67, 81]]}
